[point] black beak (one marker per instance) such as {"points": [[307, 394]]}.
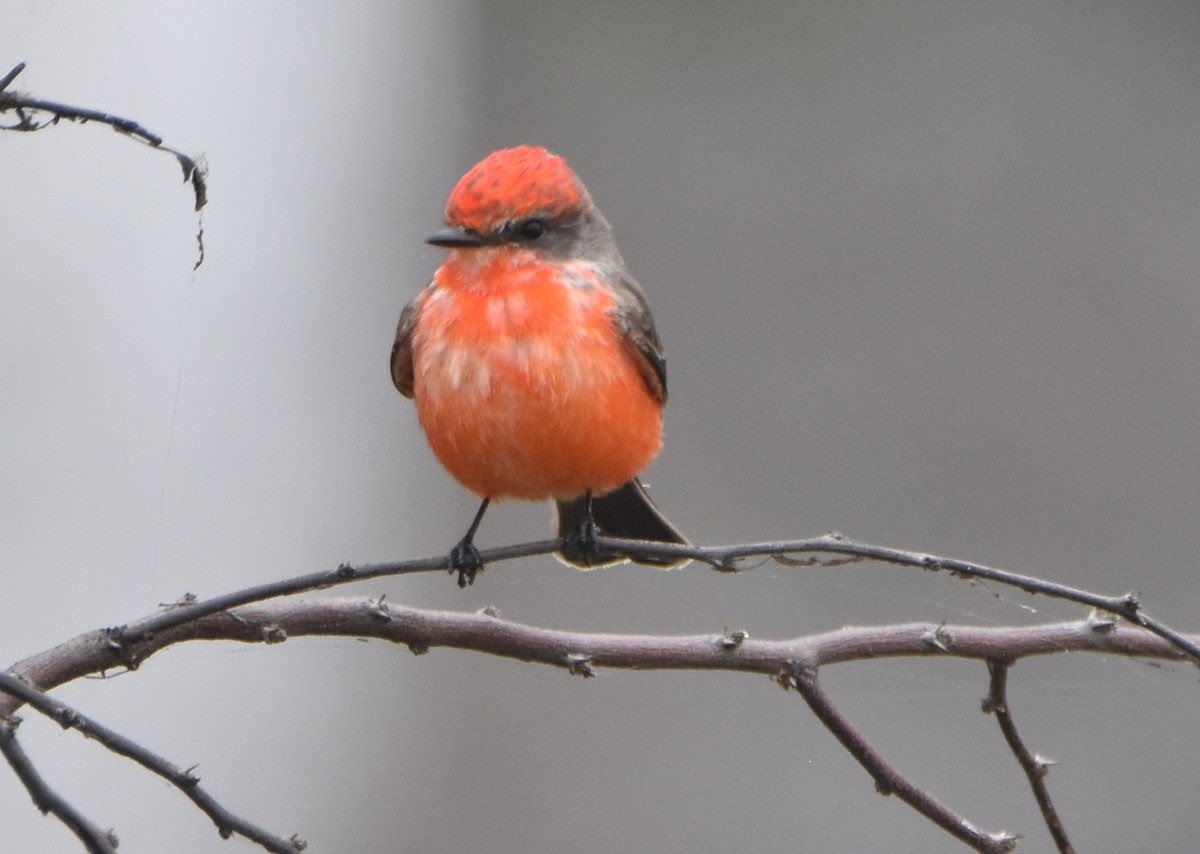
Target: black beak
{"points": [[455, 238]]}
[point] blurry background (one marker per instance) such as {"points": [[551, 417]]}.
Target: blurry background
{"points": [[926, 274]]}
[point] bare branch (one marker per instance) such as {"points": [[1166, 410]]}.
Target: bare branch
{"points": [[888, 781], [26, 109], [227, 823], [583, 653], [189, 609], [727, 558], [95, 840], [421, 630], [11, 75], [722, 558], [23, 105], [221, 618], [253, 621], [1035, 767]]}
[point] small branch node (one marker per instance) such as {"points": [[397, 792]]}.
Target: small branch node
{"points": [[182, 602], [939, 639], [489, 611], [1100, 621], [345, 571], [579, 664], [67, 718], [112, 641], [1007, 841], [298, 844], [1043, 763], [796, 676], [379, 610], [119, 641], [271, 633], [731, 640]]}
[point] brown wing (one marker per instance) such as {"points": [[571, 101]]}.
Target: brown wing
{"points": [[402, 357], [636, 323]]}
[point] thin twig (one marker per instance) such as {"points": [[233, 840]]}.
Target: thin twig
{"points": [[1035, 767], [227, 823], [344, 574], [26, 107], [726, 559], [23, 105], [888, 781], [11, 75], [95, 840], [722, 558]]}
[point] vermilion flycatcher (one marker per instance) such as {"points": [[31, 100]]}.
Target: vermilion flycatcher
{"points": [[533, 359]]}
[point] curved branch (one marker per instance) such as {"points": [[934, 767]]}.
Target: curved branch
{"points": [[582, 653], [420, 630], [725, 558], [26, 109], [246, 616], [190, 609], [889, 781], [721, 558], [24, 106]]}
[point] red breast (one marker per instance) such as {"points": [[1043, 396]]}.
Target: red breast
{"points": [[523, 384]]}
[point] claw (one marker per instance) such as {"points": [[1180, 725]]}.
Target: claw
{"points": [[579, 546], [465, 560], [464, 557]]}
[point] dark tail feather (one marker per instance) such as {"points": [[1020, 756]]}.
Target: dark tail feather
{"points": [[626, 512]]}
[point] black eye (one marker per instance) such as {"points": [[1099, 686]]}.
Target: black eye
{"points": [[532, 229]]}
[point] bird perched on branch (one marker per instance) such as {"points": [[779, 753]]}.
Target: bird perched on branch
{"points": [[533, 359]]}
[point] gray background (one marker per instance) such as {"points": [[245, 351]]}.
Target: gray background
{"points": [[926, 274]]}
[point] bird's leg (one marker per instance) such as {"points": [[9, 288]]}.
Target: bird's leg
{"points": [[582, 541], [464, 557]]}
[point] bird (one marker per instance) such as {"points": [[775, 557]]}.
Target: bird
{"points": [[533, 360]]}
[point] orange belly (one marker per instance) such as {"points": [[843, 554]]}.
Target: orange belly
{"points": [[528, 391]]}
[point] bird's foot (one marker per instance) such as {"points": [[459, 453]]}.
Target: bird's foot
{"points": [[465, 560], [580, 546]]}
